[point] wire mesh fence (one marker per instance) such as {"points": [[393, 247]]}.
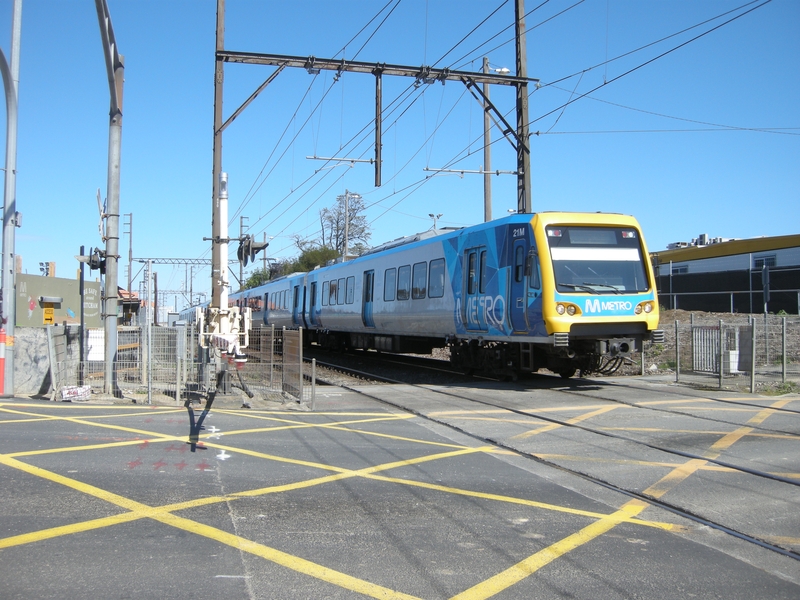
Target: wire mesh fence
{"points": [[752, 353], [167, 362]]}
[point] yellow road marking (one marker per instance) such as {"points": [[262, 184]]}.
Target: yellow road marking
{"points": [[139, 510], [524, 502], [284, 559], [578, 419], [521, 570]]}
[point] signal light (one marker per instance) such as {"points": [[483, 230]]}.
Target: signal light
{"points": [[628, 235], [96, 260], [248, 249]]}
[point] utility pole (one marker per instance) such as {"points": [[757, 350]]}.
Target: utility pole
{"points": [[130, 250], [347, 195], [242, 228], [11, 217], [523, 122], [115, 68], [487, 151]]}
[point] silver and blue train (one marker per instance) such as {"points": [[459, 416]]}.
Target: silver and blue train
{"points": [[555, 290]]}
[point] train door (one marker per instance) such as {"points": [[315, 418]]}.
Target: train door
{"points": [[312, 304], [518, 304], [473, 312], [298, 300], [366, 306]]}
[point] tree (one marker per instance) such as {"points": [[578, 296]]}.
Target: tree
{"points": [[332, 221], [310, 259], [256, 278]]}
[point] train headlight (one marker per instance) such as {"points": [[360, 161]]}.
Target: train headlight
{"points": [[638, 309], [561, 309], [648, 308], [571, 309]]}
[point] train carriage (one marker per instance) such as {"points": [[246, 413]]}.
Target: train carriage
{"points": [[563, 291]]}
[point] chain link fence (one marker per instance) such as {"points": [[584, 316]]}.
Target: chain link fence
{"points": [[752, 352], [158, 363]]}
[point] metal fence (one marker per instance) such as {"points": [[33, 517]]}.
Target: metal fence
{"points": [[159, 363], [745, 353]]}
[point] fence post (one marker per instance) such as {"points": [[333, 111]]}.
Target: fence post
{"points": [[753, 357], [271, 355], [313, 382], [721, 355], [283, 357], [677, 353], [783, 344]]}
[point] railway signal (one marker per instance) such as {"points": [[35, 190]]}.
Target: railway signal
{"points": [[96, 260], [248, 248]]}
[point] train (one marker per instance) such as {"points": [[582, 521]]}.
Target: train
{"points": [[563, 291]]}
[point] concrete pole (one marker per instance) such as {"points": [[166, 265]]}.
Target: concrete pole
{"points": [[346, 224], [8, 299], [523, 122], [216, 249], [115, 69], [487, 151]]}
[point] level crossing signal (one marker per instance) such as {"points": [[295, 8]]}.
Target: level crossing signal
{"points": [[248, 248], [96, 260]]}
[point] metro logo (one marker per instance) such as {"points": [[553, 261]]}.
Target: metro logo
{"points": [[596, 306]]}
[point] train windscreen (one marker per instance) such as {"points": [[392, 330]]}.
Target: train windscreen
{"points": [[598, 260]]}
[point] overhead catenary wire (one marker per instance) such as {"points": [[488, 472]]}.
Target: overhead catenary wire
{"points": [[458, 157]]}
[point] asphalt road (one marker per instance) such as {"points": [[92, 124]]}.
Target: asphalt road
{"points": [[357, 499]]}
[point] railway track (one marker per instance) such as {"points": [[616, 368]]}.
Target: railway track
{"points": [[704, 516]]}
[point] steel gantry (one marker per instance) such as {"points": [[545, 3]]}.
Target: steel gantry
{"points": [[221, 320]]}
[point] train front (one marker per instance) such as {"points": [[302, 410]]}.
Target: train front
{"points": [[599, 300]]}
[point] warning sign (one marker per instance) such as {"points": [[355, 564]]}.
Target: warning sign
{"points": [[49, 313]]}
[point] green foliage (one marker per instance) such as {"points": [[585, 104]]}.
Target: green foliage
{"points": [[314, 257], [787, 387], [256, 278]]}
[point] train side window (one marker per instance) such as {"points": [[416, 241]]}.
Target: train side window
{"points": [[484, 275], [404, 282], [332, 297], [296, 299], [532, 269], [340, 291], [351, 289], [471, 280], [389, 284], [326, 291], [420, 280], [436, 279], [519, 264], [313, 298]]}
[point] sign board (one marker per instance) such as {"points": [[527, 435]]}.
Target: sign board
{"points": [[49, 313]]}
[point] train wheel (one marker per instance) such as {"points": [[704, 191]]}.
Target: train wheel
{"points": [[567, 373]]}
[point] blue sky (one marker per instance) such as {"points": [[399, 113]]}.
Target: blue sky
{"points": [[705, 139]]}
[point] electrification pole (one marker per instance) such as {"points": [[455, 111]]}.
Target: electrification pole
{"points": [[10, 215], [116, 76], [523, 123], [487, 151]]}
